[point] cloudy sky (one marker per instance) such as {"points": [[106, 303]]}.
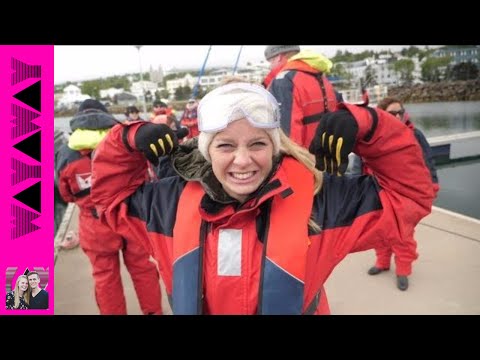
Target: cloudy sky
{"points": [[74, 63]]}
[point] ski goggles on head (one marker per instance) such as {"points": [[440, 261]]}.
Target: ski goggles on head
{"points": [[236, 101]]}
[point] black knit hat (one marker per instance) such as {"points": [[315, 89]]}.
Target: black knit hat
{"points": [[274, 50], [159, 103], [131, 109], [92, 104]]}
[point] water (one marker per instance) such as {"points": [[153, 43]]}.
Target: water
{"points": [[458, 182], [435, 119], [459, 189]]}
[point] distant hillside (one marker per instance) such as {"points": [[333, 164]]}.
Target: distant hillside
{"points": [[468, 90]]}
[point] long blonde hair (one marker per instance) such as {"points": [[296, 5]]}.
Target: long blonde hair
{"points": [[290, 148], [26, 294]]}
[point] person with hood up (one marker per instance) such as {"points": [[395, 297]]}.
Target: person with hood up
{"points": [[90, 125], [189, 118], [162, 114], [252, 224], [298, 82]]}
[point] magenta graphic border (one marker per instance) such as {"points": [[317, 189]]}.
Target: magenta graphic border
{"points": [[36, 248]]}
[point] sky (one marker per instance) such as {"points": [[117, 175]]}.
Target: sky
{"points": [[76, 63]]}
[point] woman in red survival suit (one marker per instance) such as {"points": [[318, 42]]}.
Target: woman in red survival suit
{"points": [[250, 225], [98, 241], [189, 118]]}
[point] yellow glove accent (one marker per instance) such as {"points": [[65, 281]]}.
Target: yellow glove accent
{"points": [[160, 142], [170, 141], [324, 159], [330, 142], [337, 154], [154, 149]]}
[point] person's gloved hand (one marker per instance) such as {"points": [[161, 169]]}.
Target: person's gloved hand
{"points": [[155, 140], [334, 140]]}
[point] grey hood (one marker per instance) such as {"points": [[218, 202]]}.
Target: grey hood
{"points": [[92, 119]]}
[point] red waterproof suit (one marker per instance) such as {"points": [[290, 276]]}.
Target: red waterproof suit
{"points": [[304, 95], [189, 119], [220, 257], [97, 240], [406, 250]]}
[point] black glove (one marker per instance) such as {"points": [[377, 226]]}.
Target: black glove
{"points": [[182, 132], [334, 140], [155, 140]]}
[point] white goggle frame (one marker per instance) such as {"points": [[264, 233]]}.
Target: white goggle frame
{"points": [[236, 101]]}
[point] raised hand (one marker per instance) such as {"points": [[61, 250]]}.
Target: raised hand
{"points": [[155, 140], [334, 140]]}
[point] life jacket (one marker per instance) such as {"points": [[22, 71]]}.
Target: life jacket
{"points": [[327, 94], [314, 96], [285, 247], [189, 119], [160, 119]]}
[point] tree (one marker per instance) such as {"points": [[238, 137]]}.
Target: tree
{"points": [[183, 93], [433, 69], [187, 90], [338, 70], [425, 53], [410, 51], [464, 71], [162, 94], [405, 68], [201, 93], [92, 88], [349, 57], [117, 82]]}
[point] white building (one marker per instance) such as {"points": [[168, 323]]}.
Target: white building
{"points": [[384, 73], [253, 72], [71, 95], [382, 69], [187, 80], [156, 76], [110, 93], [138, 87]]}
